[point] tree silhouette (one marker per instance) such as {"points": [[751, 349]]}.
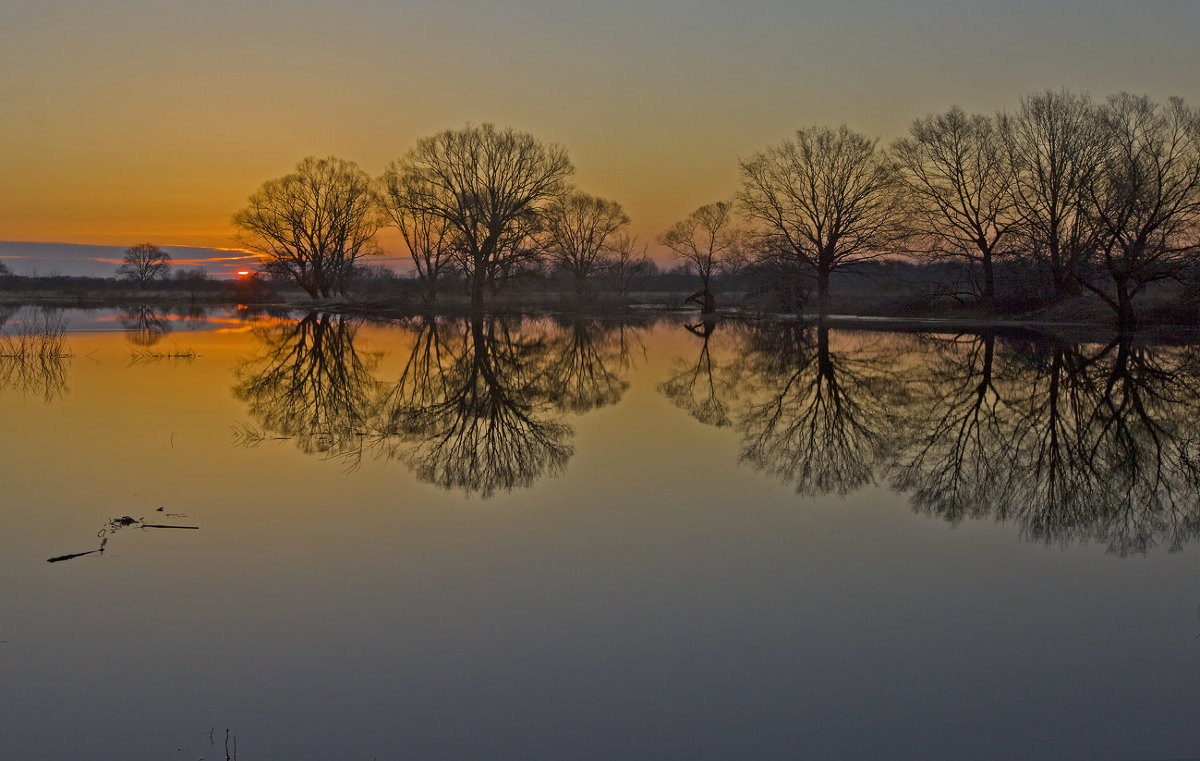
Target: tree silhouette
{"points": [[143, 263], [1145, 200], [430, 236], [1054, 147], [578, 230], [959, 189], [709, 241], [489, 186], [823, 200], [312, 225]]}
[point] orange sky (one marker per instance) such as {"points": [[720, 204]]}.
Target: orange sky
{"points": [[143, 120]]}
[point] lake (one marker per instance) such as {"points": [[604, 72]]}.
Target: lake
{"points": [[578, 538]]}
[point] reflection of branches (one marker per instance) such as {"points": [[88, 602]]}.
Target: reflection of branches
{"points": [[1049, 492], [33, 359], [702, 388], [587, 357], [144, 327], [817, 418], [1140, 443], [957, 437], [471, 409], [1071, 447], [310, 384]]}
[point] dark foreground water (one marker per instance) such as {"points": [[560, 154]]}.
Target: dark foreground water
{"points": [[577, 539]]}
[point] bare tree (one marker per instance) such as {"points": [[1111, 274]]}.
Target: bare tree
{"points": [[143, 263], [1053, 149], [627, 264], [577, 228], [430, 237], [708, 241], [312, 225], [958, 182], [489, 186], [1146, 197], [824, 200]]}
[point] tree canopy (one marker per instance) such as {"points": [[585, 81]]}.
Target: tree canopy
{"points": [[312, 225], [489, 185]]}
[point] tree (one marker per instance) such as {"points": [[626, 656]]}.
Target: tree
{"points": [[143, 263], [430, 237], [627, 265], [708, 242], [958, 183], [312, 225], [1145, 199], [823, 200], [193, 279], [577, 228], [489, 186], [1053, 149]]}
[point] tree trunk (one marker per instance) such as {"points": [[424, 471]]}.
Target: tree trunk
{"points": [[822, 290], [989, 281], [1126, 318]]}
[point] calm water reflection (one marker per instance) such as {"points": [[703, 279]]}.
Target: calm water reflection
{"points": [[578, 538], [479, 404]]}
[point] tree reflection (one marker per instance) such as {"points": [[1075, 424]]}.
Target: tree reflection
{"points": [[311, 385], [703, 388], [1143, 447], [817, 418], [144, 326], [34, 357], [474, 408], [1050, 494], [478, 403], [956, 430], [1070, 443], [587, 363]]}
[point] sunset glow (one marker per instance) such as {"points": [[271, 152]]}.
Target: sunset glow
{"points": [[143, 121]]}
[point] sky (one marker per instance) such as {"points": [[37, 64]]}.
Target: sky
{"points": [[154, 120]]}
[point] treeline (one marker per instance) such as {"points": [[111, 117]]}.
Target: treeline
{"points": [[1069, 195], [1093, 197]]}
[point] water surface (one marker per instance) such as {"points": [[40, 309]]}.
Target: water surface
{"points": [[575, 538]]}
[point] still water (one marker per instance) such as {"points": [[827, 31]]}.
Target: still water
{"points": [[582, 539]]}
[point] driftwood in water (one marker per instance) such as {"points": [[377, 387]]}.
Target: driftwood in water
{"points": [[73, 555], [115, 524]]}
